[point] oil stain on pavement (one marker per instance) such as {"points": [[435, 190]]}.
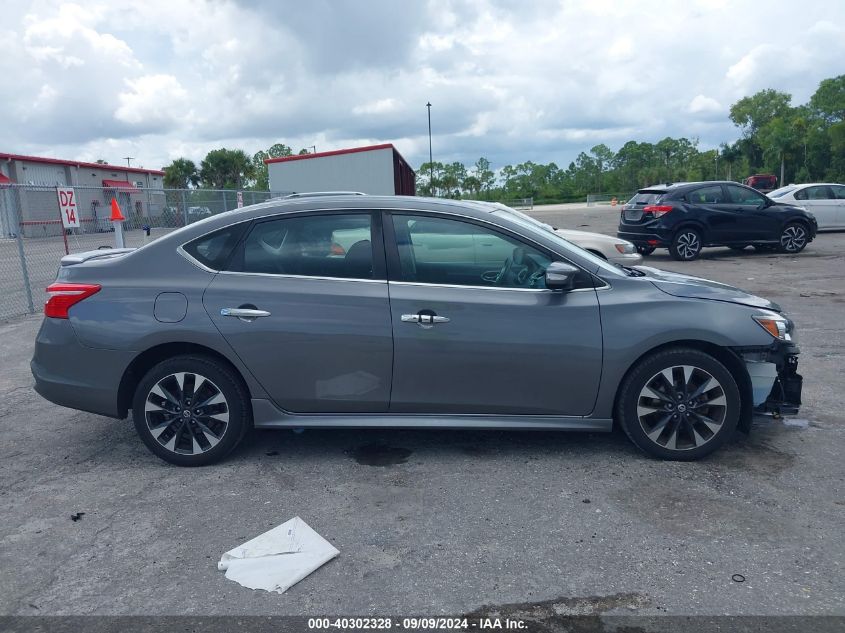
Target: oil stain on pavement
{"points": [[377, 454]]}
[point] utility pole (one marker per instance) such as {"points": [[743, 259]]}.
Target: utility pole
{"points": [[127, 159], [314, 147], [430, 158]]}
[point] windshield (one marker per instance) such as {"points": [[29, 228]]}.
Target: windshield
{"points": [[779, 193], [534, 224]]}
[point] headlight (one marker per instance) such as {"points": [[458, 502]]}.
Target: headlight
{"points": [[626, 248], [774, 324]]}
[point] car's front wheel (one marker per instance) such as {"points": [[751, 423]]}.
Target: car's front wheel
{"points": [[191, 410], [686, 245], [679, 404], [793, 238]]}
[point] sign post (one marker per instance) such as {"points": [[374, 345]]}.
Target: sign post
{"points": [[240, 199], [68, 211]]}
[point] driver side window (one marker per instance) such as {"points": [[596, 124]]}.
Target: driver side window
{"points": [[745, 197], [441, 251]]}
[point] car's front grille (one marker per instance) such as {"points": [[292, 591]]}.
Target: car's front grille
{"points": [[635, 215]]}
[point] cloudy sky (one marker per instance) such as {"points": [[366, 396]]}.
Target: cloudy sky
{"points": [[513, 80]]}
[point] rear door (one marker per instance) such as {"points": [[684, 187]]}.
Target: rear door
{"points": [[476, 332], [304, 304], [713, 209]]}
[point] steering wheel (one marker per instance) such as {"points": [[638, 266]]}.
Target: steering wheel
{"points": [[516, 259]]}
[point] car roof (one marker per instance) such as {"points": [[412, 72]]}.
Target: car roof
{"points": [[678, 186]]}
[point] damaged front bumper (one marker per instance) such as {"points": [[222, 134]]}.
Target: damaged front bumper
{"points": [[775, 382]]}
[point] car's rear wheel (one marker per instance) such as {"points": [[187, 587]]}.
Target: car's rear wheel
{"points": [[645, 250], [793, 238], [191, 410], [679, 404], [686, 245]]}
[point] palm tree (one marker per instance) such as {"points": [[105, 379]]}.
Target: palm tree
{"points": [[181, 174]]}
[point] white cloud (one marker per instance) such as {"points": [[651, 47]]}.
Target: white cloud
{"points": [[153, 100], [509, 80], [701, 103]]}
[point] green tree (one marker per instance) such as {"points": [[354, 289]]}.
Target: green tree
{"points": [[752, 113], [828, 102], [261, 173], [485, 176], [226, 169], [181, 174]]}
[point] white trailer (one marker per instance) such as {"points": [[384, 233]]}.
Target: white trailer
{"points": [[375, 169]]}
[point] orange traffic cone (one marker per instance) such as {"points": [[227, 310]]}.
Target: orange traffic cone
{"points": [[116, 215]]}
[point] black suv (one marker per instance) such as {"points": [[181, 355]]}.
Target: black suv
{"points": [[684, 217]]}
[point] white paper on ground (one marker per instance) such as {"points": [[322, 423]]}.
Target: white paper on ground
{"points": [[279, 558]]}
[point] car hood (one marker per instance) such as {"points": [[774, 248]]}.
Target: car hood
{"points": [[679, 285]]}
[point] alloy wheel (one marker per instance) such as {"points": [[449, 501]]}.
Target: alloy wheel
{"points": [[186, 413], [688, 245], [793, 239], [682, 407]]}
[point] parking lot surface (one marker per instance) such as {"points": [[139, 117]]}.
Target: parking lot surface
{"points": [[444, 522]]}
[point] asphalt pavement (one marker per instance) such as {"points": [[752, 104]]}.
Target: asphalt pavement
{"points": [[446, 522]]}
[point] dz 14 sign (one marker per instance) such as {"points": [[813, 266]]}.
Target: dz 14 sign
{"points": [[67, 207]]}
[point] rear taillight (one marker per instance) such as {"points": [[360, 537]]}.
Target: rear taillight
{"points": [[64, 296], [658, 210]]}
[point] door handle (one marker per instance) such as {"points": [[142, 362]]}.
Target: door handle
{"points": [[244, 314], [424, 319]]}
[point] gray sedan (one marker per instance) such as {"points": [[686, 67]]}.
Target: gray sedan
{"points": [[364, 311]]}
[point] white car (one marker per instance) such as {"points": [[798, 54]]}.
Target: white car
{"points": [[824, 200], [612, 249]]}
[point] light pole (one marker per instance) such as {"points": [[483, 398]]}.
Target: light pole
{"points": [[430, 159]]}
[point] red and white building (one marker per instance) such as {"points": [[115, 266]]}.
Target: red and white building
{"points": [[34, 207]]}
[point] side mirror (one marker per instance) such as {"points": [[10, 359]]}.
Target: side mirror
{"points": [[560, 276]]}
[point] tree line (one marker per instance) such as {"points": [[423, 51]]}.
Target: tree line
{"points": [[801, 143]]}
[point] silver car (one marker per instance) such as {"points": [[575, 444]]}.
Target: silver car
{"points": [[365, 311], [613, 249], [824, 200]]}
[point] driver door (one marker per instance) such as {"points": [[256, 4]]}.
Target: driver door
{"points": [[475, 331]]}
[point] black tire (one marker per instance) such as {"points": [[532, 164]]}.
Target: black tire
{"points": [[686, 245], [645, 251], [793, 238], [215, 430], [701, 428]]}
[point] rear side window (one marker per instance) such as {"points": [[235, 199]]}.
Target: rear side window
{"points": [[838, 192], [706, 195], [215, 249], [334, 245]]}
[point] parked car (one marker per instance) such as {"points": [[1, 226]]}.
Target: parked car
{"points": [[685, 217], [826, 201], [762, 182], [253, 318], [612, 249], [198, 213]]}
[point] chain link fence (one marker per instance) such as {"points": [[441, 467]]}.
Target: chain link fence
{"points": [[33, 237]]}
